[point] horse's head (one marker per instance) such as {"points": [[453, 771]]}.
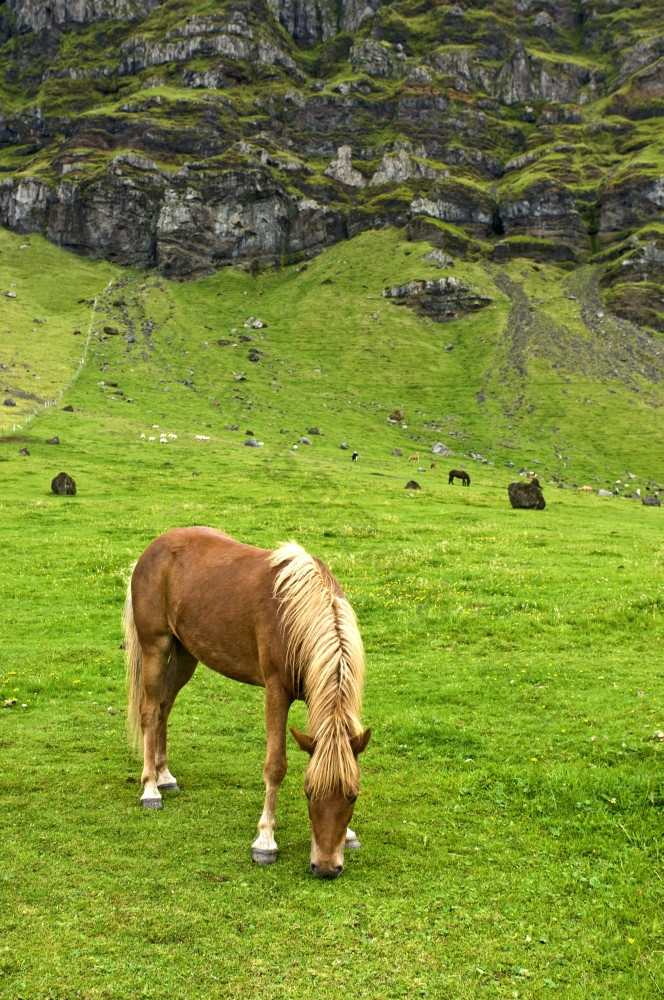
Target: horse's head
{"points": [[331, 813]]}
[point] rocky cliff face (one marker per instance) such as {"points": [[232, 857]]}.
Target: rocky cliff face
{"points": [[192, 136]]}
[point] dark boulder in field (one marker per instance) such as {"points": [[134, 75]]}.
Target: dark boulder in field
{"points": [[527, 496], [412, 485], [650, 501], [9, 402], [63, 485], [53, 440]]}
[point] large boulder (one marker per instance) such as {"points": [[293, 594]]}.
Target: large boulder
{"points": [[63, 485], [526, 495]]}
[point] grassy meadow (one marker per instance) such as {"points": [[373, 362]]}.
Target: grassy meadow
{"points": [[511, 811]]}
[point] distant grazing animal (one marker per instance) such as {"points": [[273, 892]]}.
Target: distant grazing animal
{"points": [[279, 620], [354, 456], [586, 489], [533, 478], [433, 465], [413, 458], [459, 474]]}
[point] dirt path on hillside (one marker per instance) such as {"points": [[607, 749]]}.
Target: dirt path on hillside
{"points": [[608, 348]]}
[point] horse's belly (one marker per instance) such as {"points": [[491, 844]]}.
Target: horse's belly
{"points": [[235, 671], [237, 660]]}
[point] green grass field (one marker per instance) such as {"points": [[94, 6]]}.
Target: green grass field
{"points": [[512, 794]]}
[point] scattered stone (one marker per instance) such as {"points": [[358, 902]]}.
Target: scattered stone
{"points": [[449, 347], [526, 496], [605, 493], [412, 485], [305, 440], [68, 409], [397, 452], [439, 258], [440, 449], [53, 440], [63, 485], [249, 433], [253, 443], [9, 402], [23, 451], [650, 501], [111, 331], [312, 430], [343, 446]]}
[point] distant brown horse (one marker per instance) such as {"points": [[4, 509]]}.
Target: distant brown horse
{"points": [[279, 620], [459, 474]]}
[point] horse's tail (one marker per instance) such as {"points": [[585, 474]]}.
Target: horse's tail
{"points": [[134, 674]]}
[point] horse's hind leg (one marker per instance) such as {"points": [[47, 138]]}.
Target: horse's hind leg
{"points": [[181, 667], [155, 666]]}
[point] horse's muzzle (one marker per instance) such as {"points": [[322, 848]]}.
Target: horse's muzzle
{"points": [[326, 872]]}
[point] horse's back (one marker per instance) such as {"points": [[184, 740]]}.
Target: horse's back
{"points": [[210, 591]]}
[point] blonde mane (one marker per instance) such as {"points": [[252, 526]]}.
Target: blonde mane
{"points": [[325, 655]]}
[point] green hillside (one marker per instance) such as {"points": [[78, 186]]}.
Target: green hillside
{"points": [[537, 377]]}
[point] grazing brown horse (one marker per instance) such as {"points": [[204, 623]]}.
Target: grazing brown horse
{"points": [[279, 620], [459, 474]]}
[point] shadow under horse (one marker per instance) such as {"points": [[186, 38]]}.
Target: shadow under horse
{"points": [[279, 620]]}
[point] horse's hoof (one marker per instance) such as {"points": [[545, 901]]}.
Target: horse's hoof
{"points": [[152, 803], [173, 787], [353, 844], [262, 857]]}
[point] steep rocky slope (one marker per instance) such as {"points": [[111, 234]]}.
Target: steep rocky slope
{"points": [[190, 135]]}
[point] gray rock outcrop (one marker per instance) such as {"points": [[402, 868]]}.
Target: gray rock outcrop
{"points": [[442, 298]]}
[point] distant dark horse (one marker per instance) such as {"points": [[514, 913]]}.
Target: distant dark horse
{"points": [[459, 474]]}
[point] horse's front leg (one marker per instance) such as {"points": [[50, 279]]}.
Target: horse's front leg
{"points": [[352, 843], [277, 703]]}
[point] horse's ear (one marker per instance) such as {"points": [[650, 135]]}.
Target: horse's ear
{"points": [[306, 743], [359, 743]]}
